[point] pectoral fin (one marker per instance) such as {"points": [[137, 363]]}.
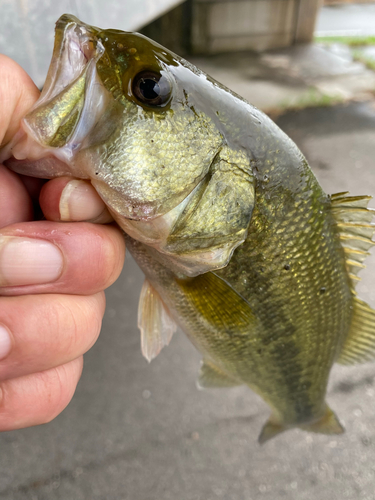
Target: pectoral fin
{"points": [[156, 325], [212, 376], [218, 304], [359, 346]]}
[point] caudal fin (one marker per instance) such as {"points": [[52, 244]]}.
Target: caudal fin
{"points": [[271, 429], [327, 424]]}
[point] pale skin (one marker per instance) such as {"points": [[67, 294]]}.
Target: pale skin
{"points": [[52, 276]]}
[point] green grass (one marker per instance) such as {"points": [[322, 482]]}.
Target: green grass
{"points": [[359, 56], [312, 98], [352, 41], [356, 43]]}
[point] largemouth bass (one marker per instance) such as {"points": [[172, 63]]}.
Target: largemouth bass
{"points": [[239, 244]]}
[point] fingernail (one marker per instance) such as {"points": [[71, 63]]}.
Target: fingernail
{"points": [[5, 342], [79, 202], [27, 261]]}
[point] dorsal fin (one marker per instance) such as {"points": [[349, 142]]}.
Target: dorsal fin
{"points": [[353, 220], [154, 321], [359, 345]]}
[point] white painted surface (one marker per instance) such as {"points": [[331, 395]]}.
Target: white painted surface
{"points": [[346, 20], [27, 26], [250, 18], [231, 25]]}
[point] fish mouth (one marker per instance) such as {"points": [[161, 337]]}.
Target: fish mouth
{"points": [[75, 50], [72, 100]]}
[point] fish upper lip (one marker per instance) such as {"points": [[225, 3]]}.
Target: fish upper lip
{"points": [[78, 48], [75, 54], [74, 59]]}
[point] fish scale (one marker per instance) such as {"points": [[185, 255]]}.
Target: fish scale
{"points": [[313, 317]]}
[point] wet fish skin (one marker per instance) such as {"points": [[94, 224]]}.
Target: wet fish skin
{"points": [[222, 212]]}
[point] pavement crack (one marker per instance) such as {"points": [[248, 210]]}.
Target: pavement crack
{"points": [[71, 474]]}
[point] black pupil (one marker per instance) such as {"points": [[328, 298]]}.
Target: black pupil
{"points": [[149, 88]]}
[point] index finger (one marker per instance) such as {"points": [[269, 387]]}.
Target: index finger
{"points": [[15, 203], [18, 93]]}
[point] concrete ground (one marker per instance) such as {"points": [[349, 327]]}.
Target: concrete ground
{"points": [[295, 77], [304, 75], [136, 431]]}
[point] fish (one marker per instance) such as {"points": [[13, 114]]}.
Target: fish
{"points": [[240, 246]]}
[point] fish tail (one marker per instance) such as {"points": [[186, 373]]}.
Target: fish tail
{"points": [[271, 428], [327, 424]]}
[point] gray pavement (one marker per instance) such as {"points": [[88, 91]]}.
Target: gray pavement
{"points": [[136, 431], [294, 77], [303, 75]]}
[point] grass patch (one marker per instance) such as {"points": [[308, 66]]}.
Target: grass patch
{"points": [[355, 43], [359, 56], [352, 41], [312, 99]]}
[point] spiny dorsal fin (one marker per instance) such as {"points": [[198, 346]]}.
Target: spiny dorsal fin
{"points": [[154, 321], [353, 220], [212, 376], [359, 345]]}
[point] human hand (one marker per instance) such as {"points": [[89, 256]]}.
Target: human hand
{"points": [[52, 276]]}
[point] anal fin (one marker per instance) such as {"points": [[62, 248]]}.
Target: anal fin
{"points": [[212, 376], [156, 325], [359, 346]]}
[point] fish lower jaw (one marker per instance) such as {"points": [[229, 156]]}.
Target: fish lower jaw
{"points": [[27, 147], [26, 155], [23, 146]]}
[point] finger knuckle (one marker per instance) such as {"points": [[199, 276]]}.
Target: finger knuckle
{"points": [[77, 321], [57, 390]]}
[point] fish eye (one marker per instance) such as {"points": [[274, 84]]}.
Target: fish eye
{"points": [[151, 88]]}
